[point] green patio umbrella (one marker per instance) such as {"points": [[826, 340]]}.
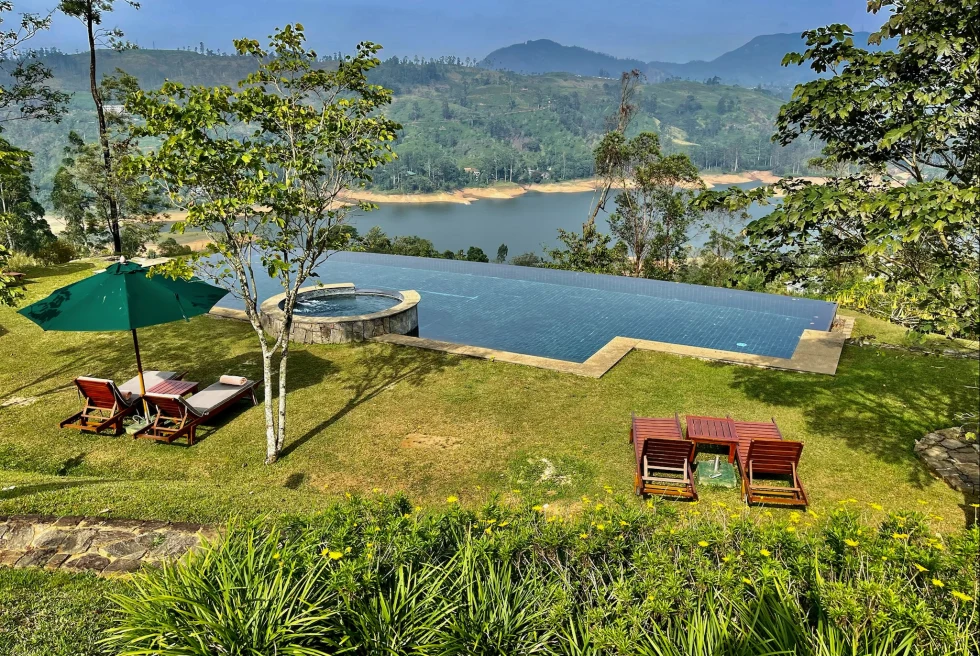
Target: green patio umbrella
{"points": [[123, 298]]}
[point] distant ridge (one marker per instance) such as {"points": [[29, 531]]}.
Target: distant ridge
{"points": [[758, 62]]}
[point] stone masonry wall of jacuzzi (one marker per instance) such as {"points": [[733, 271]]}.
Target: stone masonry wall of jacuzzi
{"points": [[401, 319]]}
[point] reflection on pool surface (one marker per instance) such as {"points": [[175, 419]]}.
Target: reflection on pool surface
{"points": [[569, 315], [343, 304]]}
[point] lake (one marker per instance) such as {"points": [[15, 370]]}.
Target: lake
{"points": [[527, 224]]}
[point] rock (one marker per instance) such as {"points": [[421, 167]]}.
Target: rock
{"points": [[952, 444], [78, 541], [8, 558], [132, 548], [122, 566], [105, 537], [35, 558], [174, 545], [68, 521], [56, 560], [18, 537], [952, 459], [90, 561], [50, 539], [150, 526]]}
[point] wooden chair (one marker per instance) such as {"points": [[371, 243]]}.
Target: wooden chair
{"points": [[644, 427], [178, 417], [105, 406], [657, 456], [762, 451]]}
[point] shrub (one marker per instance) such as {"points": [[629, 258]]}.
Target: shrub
{"points": [[57, 252], [170, 248], [377, 576]]}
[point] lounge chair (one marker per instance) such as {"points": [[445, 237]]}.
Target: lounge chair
{"points": [[644, 427], [762, 452], [106, 405], [655, 458], [179, 417]]}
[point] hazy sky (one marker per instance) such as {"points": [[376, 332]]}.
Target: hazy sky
{"points": [[669, 30]]}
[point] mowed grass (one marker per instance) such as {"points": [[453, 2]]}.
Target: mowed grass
{"points": [[372, 416]]}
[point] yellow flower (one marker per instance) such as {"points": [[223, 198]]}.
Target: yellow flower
{"points": [[900, 536], [585, 499], [503, 524], [516, 491], [747, 581], [348, 495], [622, 523], [601, 527], [938, 546], [370, 556], [407, 515], [937, 583], [537, 508], [376, 490], [813, 514], [920, 567], [551, 519], [920, 502], [599, 506], [649, 597], [347, 550], [370, 544], [765, 552], [726, 559], [487, 530], [324, 553], [584, 536], [975, 505], [768, 513], [452, 499], [335, 555], [649, 503], [851, 543], [794, 517], [876, 506], [702, 543], [418, 508], [696, 513], [275, 556], [962, 597]]}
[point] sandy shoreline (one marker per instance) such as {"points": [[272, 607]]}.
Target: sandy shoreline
{"points": [[470, 195]]}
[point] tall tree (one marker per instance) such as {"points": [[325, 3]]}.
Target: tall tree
{"points": [[27, 94], [22, 224], [91, 13], [87, 197], [905, 227], [269, 198], [654, 210]]}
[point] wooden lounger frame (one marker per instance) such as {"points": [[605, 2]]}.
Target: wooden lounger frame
{"points": [[665, 455], [175, 419], [644, 427], [761, 450], [104, 407]]}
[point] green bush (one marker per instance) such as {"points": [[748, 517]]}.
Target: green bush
{"points": [[57, 252], [377, 576]]}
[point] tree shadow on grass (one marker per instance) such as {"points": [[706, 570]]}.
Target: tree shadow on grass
{"points": [[40, 488], [377, 369], [878, 403], [38, 273]]}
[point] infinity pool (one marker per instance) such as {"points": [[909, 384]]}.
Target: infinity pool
{"points": [[568, 315]]}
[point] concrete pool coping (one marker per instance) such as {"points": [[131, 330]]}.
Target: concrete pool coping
{"points": [[818, 351]]}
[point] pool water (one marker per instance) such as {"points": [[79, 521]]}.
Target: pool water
{"points": [[569, 315], [343, 305]]}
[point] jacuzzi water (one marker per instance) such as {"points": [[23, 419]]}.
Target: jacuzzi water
{"points": [[344, 305]]}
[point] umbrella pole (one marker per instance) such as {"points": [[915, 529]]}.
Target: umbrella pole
{"points": [[139, 371]]}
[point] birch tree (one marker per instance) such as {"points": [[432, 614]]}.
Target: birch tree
{"points": [[262, 171]]}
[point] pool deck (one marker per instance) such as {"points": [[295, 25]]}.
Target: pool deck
{"points": [[818, 352]]}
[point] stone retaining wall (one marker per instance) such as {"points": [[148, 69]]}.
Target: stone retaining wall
{"points": [[952, 458], [103, 546]]}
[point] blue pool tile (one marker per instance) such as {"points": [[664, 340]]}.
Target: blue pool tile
{"points": [[569, 315]]}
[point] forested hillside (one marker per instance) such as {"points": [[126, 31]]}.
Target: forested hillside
{"points": [[466, 126]]}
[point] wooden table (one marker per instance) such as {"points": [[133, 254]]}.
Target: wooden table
{"points": [[713, 430], [174, 387]]}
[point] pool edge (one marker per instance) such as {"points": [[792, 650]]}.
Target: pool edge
{"points": [[818, 352]]}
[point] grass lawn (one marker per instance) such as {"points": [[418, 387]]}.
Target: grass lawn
{"points": [[432, 425]]}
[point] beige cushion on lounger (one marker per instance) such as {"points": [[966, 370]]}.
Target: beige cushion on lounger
{"points": [[215, 395], [150, 378]]}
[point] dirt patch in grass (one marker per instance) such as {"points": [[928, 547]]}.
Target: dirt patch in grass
{"points": [[423, 441]]}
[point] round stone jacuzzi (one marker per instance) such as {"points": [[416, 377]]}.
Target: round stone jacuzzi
{"points": [[338, 313]]}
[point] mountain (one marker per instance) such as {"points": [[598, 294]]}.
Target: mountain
{"points": [[758, 62], [545, 56], [466, 126]]}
